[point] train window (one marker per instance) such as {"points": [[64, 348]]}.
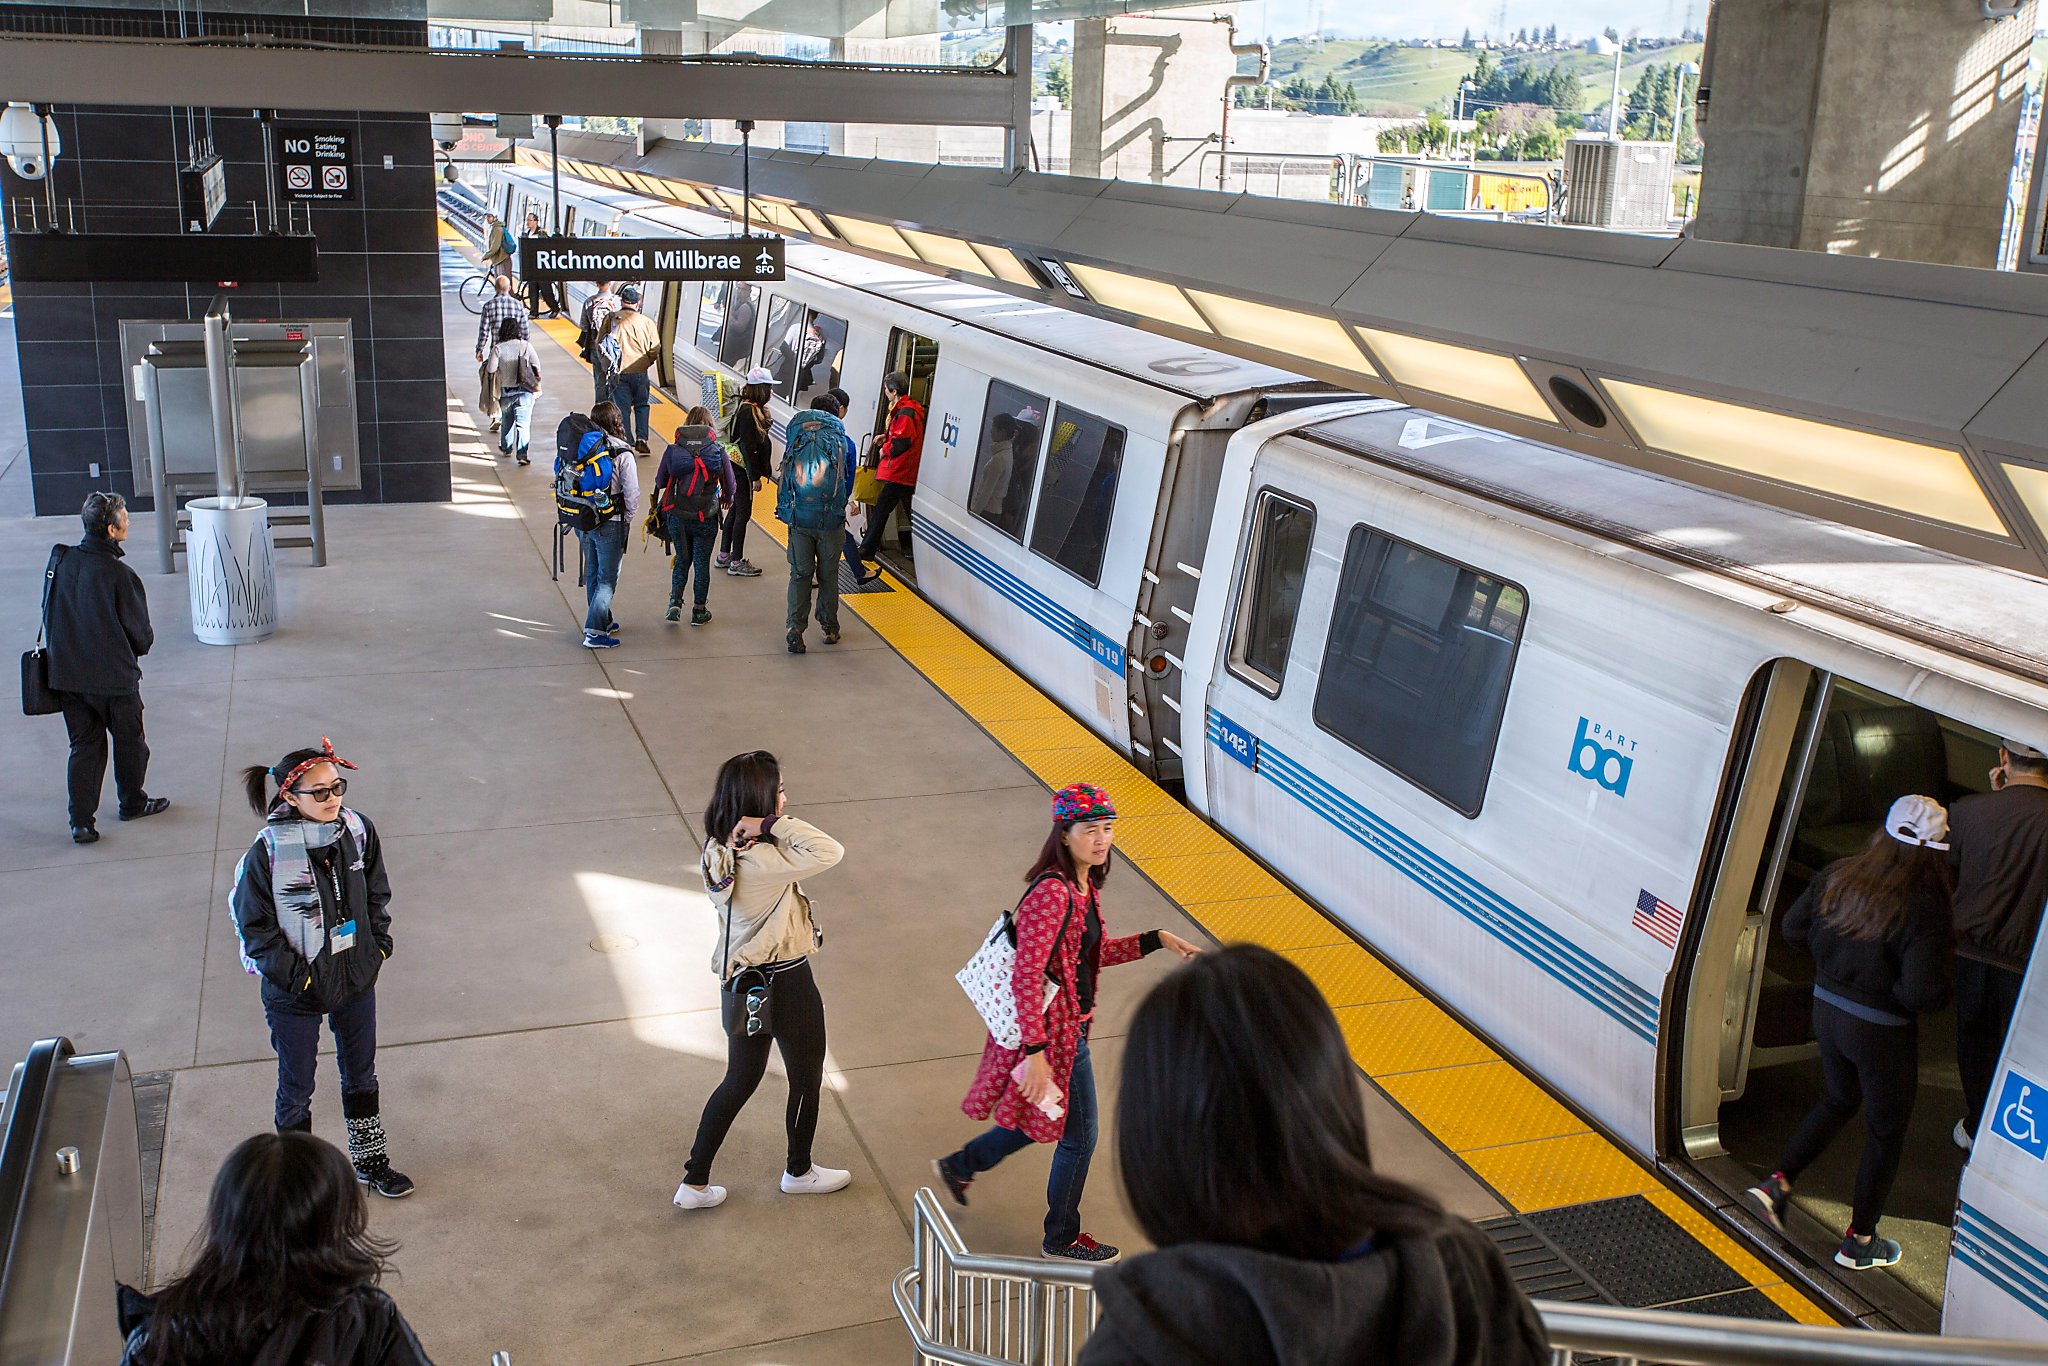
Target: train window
{"points": [[1006, 464], [1082, 463], [1415, 674], [710, 316], [820, 357], [1281, 532], [736, 337], [778, 340]]}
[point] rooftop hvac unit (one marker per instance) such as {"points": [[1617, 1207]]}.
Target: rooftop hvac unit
{"points": [[1617, 184]]}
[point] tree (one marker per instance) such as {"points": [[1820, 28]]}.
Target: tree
{"points": [[1611, 33], [1466, 41], [1550, 34], [1562, 90], [1521, 35], [1059, 80]]}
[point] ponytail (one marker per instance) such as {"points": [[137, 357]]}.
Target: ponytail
{"points": [[256, 786]]}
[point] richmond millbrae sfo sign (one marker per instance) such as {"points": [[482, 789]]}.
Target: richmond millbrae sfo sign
{"points": [[650, 258]]}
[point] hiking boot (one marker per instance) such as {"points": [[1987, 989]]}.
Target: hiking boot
{"points": [[831, 637], [699, 615], [741, 569], [1767, 1200], [1866, 1255], [1086, 1249], [675, 611], [796, 645], [386, 1180], [949, 1176]]}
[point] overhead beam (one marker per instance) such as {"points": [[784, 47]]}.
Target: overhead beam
{"points": [[43, 69]]}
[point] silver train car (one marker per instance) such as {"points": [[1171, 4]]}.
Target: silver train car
{"points": [[1562, 739]]}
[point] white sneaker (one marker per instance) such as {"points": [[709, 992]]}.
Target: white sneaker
{"points": [[1961, 1136], [817, 1181], [689, 1197]]}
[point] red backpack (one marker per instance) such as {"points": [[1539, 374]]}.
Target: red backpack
{"points": [[693, 495]]}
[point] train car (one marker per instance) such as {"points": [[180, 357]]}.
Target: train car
{"points": [[1561, 738]]}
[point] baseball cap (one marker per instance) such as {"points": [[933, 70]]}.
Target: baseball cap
{"points": [[630, 294], [2021, 749], [1918, 820], [759, 375]]}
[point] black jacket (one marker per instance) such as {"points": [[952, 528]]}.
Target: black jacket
{"points": [[2000, 853], [365, 1329], [99, 620], [750, 426], [1907, 974], [1438, 1298], [332, 979]]}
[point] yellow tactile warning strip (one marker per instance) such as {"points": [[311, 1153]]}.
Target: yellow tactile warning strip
{"points": [[1532, 1151]]}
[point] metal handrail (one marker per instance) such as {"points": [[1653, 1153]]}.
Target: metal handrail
{"points": [[960, 1310]]}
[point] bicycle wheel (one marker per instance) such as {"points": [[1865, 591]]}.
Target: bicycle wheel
{"points": [[474, 291]]}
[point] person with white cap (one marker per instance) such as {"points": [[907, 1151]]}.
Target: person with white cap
{"points": [[2001, 864], [1877, 925], [750, 426]]}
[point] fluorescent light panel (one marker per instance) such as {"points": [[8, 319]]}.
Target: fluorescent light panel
{"points": [[947, 253], [1286, 330], [1908, 476], [1482, 377], [1153, 299], [2031, 483], [1002, 263], [873, 236], [814, 223]]}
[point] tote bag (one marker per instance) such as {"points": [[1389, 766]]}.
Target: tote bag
{"points": [[37, 698], [988, 975]]}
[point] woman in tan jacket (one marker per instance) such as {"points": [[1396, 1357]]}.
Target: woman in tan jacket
{"points": [[753, 856]]}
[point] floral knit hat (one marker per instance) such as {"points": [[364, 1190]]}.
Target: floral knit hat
{"points": [[1082, 802]]}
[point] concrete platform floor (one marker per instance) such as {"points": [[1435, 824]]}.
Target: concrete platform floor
{"points": [[548, 1018]]}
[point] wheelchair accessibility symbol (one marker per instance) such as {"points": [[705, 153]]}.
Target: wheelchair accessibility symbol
{"points": [[2020, 1115]]}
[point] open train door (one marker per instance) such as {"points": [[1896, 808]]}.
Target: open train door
{"points": [[1998, 1270]]}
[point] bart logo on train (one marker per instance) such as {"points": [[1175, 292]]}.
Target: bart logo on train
{"points": [[1599, 763]]}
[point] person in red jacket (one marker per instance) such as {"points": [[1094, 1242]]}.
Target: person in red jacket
{"points": [[902, 444], [1044, 1092]]}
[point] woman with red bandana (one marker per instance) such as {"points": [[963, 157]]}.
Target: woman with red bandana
{"points": [[1044, 1091], [311, 907]]}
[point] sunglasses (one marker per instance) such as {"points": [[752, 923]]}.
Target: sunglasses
{"points": [[322, 794]]}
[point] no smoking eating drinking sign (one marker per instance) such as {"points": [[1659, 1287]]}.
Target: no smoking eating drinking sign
{"points": [[316, 164]]}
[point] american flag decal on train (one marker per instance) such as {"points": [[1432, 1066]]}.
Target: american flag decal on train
{"points": [[1658, 919]]}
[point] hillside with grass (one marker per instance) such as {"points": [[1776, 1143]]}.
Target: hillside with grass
{"points": [[1395, 80]]}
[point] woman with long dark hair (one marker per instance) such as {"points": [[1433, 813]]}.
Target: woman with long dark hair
{"points": [[754, 855], [286, 1271], [1044, 1090], [311, 906], [1877, 925], [1242, 1143], [751, 423]]}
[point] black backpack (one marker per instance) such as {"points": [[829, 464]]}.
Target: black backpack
{"points": [[586, 467], [693, 496]]}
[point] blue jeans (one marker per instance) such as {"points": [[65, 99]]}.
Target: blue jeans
{"points": [[814, 555], [692, 540], [515, 421], [1070, 1157], [602, 550], [634, 396], [296, 1037]]}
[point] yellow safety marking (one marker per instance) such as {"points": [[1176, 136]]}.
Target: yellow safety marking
{"points": [[1389, 1037], [1560, 1171], [449, 232], [1532, 1151], [1482, 1106]]}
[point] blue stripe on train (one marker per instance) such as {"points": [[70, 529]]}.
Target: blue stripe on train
{"points": [[1999, 1256], [1022, 595], [1599, 984]]}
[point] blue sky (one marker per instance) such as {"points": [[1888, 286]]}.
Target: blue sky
{"points": [[1449, 18]]}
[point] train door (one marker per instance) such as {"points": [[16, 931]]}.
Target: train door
{"points": [[918, 357], [1825, 758], [1998, 1280]]}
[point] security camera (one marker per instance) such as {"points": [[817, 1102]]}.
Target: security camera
{"points": [[28, 140]]}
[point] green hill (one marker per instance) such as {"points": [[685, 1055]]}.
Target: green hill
{"points": [[1408, 80]]}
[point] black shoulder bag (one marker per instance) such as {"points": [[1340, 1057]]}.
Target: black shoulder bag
{"points": [[37, 697]]}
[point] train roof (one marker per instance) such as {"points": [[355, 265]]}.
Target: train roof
{"points": [[1992, 615]]}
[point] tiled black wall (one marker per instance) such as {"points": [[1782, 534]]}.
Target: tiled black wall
{"points": [[379, 267]]}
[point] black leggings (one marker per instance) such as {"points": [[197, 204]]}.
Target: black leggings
{"points": [[737, 519], [799, 1032], [1874, 1067]]}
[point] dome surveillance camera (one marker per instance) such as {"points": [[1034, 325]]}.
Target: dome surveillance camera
{"points": [[30, 167], [28, 141]]}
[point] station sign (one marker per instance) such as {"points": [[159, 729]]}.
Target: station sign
{"points": [[316, 164], [650, 258]]}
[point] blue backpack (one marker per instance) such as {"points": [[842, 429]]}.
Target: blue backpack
{"points": [[586, 473], [811, 489]]}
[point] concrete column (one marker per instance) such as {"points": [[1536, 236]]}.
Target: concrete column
{"points": [[1867, 127], [670, 42], [869, 42], [1148, 96]]}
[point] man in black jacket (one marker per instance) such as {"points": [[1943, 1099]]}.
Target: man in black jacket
{"points": [[99, 628]]}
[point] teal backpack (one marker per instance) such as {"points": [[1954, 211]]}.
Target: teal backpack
{"points": [[811, 489]]}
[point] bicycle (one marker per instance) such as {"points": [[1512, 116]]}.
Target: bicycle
{"points": [[474, 290]]}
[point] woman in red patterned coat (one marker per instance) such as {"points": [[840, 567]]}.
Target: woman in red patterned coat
{"points": [[1044, 1092]]}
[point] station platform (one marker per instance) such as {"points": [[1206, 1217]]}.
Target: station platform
{"points": [[549, 1020]]}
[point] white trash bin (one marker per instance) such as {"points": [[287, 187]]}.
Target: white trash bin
{"points": [[230, 570]]}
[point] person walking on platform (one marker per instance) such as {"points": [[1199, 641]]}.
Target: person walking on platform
{"points": [[1044, 1090], [1877, 925], [311, 906], [751, 425], [1242, 1142], [590, 326], [515, 365], [2000, 842], [498, 310], [694, 481], [540, 292], [96, 614], [810, 499], [601, 480], [639, 347], [902, 446], [752, 866], [285, 1272], [499, 248]]}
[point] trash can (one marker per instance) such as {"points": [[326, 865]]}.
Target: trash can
{"points": [[229, 569]]}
